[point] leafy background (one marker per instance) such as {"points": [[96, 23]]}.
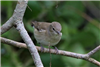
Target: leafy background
{"points": [[79, 34]]}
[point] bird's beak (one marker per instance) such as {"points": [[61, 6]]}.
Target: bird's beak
{"points": [[58, 32]]}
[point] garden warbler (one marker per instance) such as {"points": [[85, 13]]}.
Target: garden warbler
{"points": [[48, 34]]}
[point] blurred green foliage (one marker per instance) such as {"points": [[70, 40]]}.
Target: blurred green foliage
{"points": [[79, 35]]}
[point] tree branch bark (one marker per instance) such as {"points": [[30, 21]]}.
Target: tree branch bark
{"points": [[30, 45], [60, 52], [17, 21], [5, 27], [94, 50]]}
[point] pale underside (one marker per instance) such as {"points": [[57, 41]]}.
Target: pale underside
{"points": [[44, 38]]}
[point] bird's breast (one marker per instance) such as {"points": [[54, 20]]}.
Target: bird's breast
{"points": [[44, 38]]}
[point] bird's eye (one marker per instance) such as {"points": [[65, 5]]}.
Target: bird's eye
{"points": [[53, 29]]}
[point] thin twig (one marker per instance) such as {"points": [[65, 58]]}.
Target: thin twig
{"points": [[29, 8], [94, 50], [87, 17], [92, 8]]}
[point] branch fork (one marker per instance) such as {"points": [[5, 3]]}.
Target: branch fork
{"points": [[17, 21]]}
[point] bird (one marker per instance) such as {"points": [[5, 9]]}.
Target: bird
{"points": [[47, 34]]}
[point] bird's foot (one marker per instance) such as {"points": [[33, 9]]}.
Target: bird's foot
{"points": [[42, 48], [55, 49]]}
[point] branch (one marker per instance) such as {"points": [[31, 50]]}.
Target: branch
{"points": [[90, 19], [87, 17], [5, 27], [20, 27], [60, 52], [94, 50], [30, 44], [17, 21], [92, 8]]}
